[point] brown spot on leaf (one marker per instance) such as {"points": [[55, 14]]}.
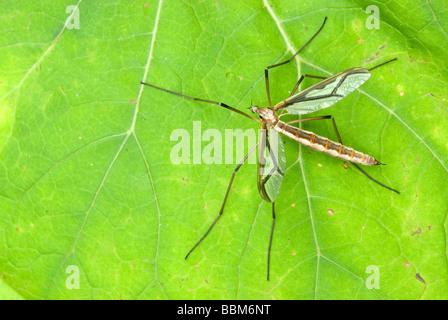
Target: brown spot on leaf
{"points": [[375, 56], [411, 59], [330, 212], [418, 231]]}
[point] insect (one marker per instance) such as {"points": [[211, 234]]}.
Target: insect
{"points": [[271, 164]]}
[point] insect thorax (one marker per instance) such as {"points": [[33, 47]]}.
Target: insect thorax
{"points": [[267, 115]]}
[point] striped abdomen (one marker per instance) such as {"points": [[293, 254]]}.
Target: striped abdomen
{"points": [[324, 145]]}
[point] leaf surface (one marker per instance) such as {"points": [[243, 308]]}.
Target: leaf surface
{"points": [[88, 186]]}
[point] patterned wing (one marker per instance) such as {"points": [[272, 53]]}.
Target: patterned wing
{"points": [[271, 163], [325, 93]]}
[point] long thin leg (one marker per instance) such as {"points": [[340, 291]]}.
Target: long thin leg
{"points": [[298, 84], [270, 237], [301, 79], [320, 118], [266, 71], [382, 64], [225, 198], [340, 141], [203, 100]]}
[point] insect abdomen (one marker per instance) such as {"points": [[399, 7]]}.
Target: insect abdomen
{"points": [[324, 145]]}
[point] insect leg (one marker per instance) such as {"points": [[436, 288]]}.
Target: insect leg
{"points": [[318, 118], [225, 198], [340, 141], [301, 79], [298, 84], [270, 237], [266, 71], [202, 100], [382, 64]]}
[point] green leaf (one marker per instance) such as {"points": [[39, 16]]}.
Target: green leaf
{"points": [[88, 188], [7, 293]]}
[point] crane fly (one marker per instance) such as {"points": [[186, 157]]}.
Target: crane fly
{"points": [[271, 164]]}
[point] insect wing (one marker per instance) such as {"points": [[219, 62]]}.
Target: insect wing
{"points": [[271, 163], [325, 93]]}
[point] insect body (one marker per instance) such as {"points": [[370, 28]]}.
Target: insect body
{"points": [[271, 165], [319, 96], [313, 140]]}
